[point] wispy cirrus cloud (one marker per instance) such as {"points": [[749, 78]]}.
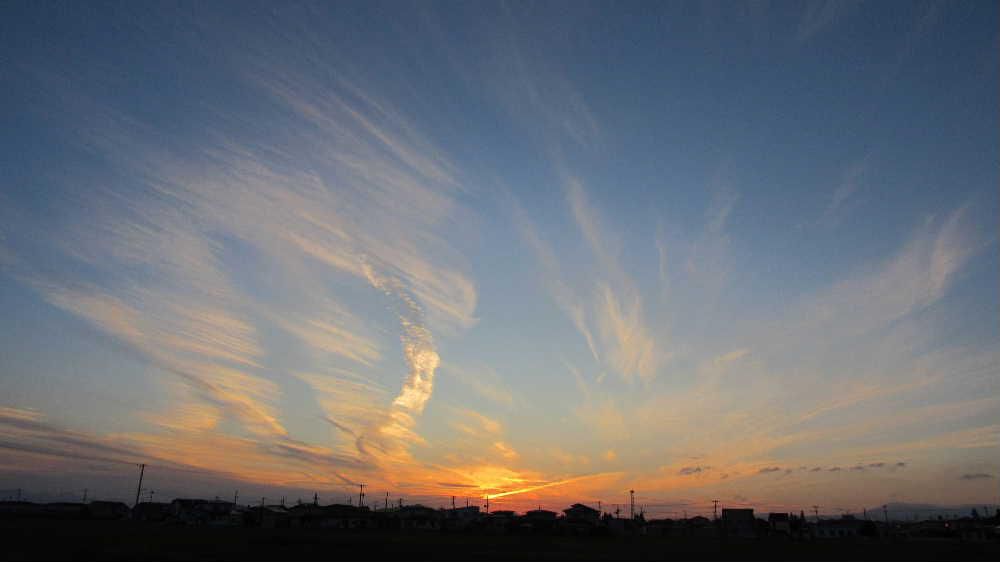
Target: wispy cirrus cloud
{"points": [[819, 15], [565, 296], [623, 340], [618, 307], [475, 424], [484, 381], [354, 193]]}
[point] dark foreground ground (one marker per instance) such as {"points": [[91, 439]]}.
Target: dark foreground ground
{"points": [[118, 540]]}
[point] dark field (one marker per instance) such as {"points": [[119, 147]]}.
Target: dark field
{"points": [[118, 540]]}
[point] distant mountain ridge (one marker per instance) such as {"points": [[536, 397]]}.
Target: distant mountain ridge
{"points": [[908, 511]]}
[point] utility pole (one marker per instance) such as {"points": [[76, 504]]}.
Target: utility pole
{"points": [[138, 489], [885, 512], [487, 504], [816, 511], [316, 498], [453, 503], [715, 510], [631, 504], [236, 497], [599, 507], [151, 496], [361, 495]]}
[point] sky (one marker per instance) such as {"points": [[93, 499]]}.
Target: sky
{"points": [[542, 252]]}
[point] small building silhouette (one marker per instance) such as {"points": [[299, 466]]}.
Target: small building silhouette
{"points": [[419, 518], [537, 520], [739, 523], [461, 518], [152, 511], [582, 514], [845, 527], [107, 510], [779, 524]]}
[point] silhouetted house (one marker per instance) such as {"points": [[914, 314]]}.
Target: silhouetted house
{"points": [[537, 520], [660, 527], [152, 511], [928, 529], [461, 518], [699, 527], [500, 521], [241, 516], [580, 519], [273, 516], [779, 524], [352, 517], [615, 526], [16, 509], [336, 516], [739, 523], [969, 529], [64, 510], [202, 512], [579, 513], [107, 510], [306, 515], [846, 527], [19, 509], [419, 518]]}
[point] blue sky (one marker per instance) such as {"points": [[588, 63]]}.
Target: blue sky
{"points": [[543, 251]]}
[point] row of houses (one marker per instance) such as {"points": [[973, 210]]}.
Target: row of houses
{"points": [[199, 512], [742, 524], [578, 519], [64, 510]]}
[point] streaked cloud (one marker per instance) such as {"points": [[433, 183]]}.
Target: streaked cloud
{"points": [[732, 356], [484, 381], [977, 476]]}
